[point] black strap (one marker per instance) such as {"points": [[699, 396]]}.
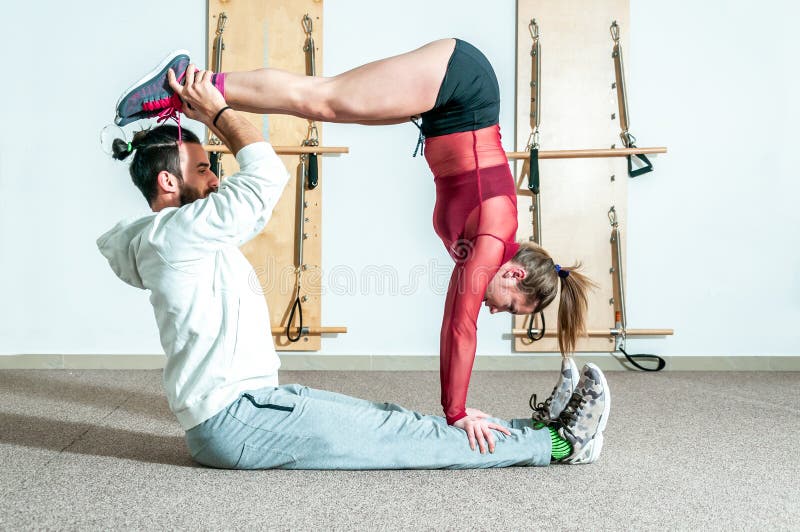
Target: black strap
{"points": [[661, 362], [313, 172], [299, 307], [533, 186], [215, 158], [642, 158], [420, 147], [537, 337], [533, 171]]}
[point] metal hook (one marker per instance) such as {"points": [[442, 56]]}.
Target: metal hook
{"points": [[615, 31], [312, 137], [307, 24], [628, 140], [223, 18], [533, 27], [612, 217], [533, 140]]}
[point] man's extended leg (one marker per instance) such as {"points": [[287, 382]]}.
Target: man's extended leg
{"points": [[341, 398], [279, 428], [347, 399]]}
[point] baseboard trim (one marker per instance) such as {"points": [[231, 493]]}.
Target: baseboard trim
{"points": [[318, 362]]}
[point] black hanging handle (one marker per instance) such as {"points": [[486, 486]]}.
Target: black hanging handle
{"points": [[642, 158], [661, 362], [533, 173], [313, 171], [536, 337], [299, 307]]}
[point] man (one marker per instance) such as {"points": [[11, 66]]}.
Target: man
{"points": [[221, 374]]}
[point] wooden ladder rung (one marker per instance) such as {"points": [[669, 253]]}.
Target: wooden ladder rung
{"points": [[313, 331], [286, 150], [586, 154], [608, 332]]}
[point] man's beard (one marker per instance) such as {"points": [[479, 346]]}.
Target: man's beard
{"points": [[189, 194]]}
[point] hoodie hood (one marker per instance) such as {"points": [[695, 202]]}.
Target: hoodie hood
{"points": [[120, 246]]}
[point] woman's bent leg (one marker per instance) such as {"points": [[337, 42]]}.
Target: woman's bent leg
{"points": [[386, 91]]}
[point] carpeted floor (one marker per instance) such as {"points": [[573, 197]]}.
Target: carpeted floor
{"points": [[100, 450]]}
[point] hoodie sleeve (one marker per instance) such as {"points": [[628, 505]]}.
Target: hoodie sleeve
{"points": [[234, 214]]}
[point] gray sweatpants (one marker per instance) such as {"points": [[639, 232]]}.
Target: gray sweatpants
{"points": [[296, 427]]}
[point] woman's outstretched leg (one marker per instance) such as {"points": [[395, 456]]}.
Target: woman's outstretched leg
{"points": [[386, 91]]}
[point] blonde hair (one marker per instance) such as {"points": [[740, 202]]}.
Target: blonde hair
{"points": [[541, 284]]}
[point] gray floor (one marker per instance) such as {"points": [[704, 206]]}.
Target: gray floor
{"points": [[100, 450]]}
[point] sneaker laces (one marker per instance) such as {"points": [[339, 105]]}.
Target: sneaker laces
{"points": [[569, 416], [171, 107], [541, 411]]}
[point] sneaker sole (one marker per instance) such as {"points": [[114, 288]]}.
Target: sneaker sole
{"points": [[158, 70], [591, 452]]}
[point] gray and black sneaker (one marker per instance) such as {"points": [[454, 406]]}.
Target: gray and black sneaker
{"points": [[584, 418], [553, 405]]}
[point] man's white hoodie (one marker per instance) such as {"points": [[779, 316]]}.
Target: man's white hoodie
{"points": [[211, 313]]}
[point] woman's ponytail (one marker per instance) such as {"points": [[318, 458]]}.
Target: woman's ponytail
{"points": [[541, 284], [573, 306]]}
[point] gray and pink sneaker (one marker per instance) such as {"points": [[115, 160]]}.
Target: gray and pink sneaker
{"points": [[152, 96]]}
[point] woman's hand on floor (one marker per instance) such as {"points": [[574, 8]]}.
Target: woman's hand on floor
{"points": [[479, 430]]}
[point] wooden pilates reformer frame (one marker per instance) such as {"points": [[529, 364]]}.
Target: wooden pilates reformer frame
{"points": [[261, 33], [579, 90]]}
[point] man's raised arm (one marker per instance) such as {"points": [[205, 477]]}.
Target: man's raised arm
{"points": [[203, 102], [243, 203]]}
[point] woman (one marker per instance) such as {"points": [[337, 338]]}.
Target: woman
{"points": [[451, 86]]}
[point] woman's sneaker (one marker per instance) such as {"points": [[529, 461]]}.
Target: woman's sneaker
{"points": [[152, 96], [584, 418], [553, 405]]}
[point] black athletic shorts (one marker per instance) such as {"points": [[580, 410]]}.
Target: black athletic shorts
{"points": [[469, 97]]}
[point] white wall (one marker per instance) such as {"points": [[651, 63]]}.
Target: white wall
{"points": [[58, 190], [711, 233]]}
